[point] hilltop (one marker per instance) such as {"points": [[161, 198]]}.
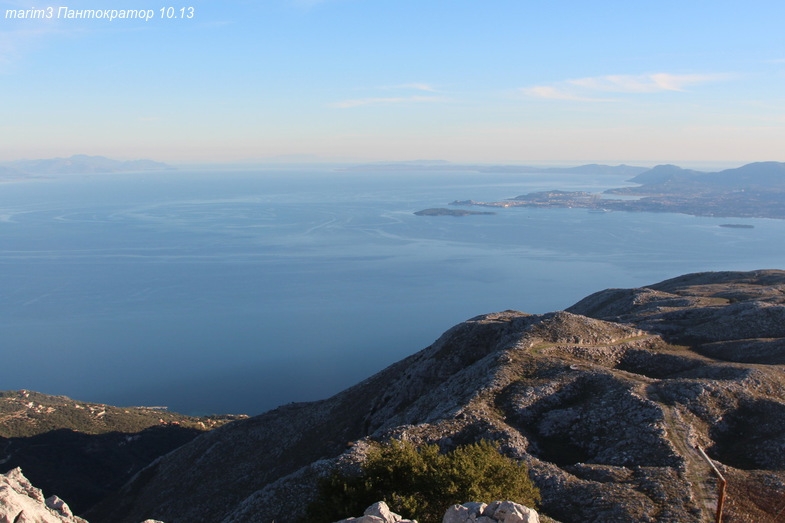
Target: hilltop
{"points": [[605, 403]]}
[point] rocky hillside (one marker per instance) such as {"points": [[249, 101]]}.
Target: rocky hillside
{"points": [[83, 451], [605, 402]]}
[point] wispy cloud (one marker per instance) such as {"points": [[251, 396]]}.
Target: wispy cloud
{"points": [[551, 92], [403, 95], [586, 89], [416, 86], [358, 102], [647, 83]]}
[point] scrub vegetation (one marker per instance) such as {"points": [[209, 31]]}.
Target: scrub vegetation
{"points": [[422, 482]]}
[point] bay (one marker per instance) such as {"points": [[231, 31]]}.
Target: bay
{"points": [[236, 290]]}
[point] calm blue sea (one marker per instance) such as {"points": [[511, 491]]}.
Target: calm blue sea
{"points": [[239, 290]]}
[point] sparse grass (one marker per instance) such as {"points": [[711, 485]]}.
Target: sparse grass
{"points": [[538, 348]]}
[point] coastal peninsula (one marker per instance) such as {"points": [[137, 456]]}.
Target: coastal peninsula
{"points": [[755, 190], [449, 212]]}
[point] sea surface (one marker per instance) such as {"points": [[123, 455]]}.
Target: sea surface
{"points": [[237, 290]]}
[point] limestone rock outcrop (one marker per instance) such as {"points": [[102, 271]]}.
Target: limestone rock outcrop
{"points": [[378, 513], [496, 512], [21, 502], [472, 512]]}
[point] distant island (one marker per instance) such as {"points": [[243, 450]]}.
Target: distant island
{"points": [[755, 190], [77, 164], [449, 212]]}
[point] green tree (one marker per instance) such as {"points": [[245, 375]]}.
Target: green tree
{"points": [[421, 483]]}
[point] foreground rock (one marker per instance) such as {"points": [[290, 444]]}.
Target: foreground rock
{"points": [[378, 513], [21, 502], [498, 511], [604, 402]]}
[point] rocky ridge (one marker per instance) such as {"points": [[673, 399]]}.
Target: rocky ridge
{"points": [[605, 402]]}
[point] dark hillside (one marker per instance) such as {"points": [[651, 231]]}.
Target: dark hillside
{"points": [[83, 451]]}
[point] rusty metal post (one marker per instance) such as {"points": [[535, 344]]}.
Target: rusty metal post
{"points": [[720, 498], [720, 485]]}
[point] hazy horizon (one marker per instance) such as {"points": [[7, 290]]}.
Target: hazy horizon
{"points": [[305, 160]]}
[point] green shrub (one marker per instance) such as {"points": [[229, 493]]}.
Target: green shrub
{"points": [[421, 483]]}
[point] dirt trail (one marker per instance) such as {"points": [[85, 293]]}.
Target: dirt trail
{"points": [[697, 472]]}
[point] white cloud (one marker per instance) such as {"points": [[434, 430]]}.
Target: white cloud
{"points": [[416, 86], [358, 102], [555, 93], [646, 83], [585, 89]]}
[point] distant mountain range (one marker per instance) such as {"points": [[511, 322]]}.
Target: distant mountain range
{"points": [[440, 165], [764, 175], [77, 164]]}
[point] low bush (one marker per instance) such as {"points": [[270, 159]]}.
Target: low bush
{"points": [[421, 483]]}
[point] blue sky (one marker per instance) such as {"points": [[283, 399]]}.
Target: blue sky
{"points": [[518, 81]]}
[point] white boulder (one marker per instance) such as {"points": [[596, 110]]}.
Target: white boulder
{"points": [[496, 512], [21, 502], [377, 513], [509, 512]]}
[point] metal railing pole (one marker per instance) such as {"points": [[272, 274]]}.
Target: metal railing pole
{"points": [[720, 486]]}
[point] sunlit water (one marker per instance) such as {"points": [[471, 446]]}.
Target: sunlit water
{"points": [[238, 291]]}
